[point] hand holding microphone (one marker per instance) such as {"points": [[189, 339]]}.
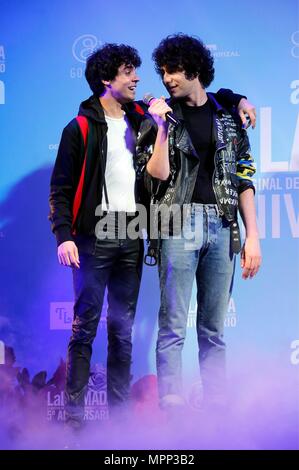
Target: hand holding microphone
{"points": [[159, 110]]}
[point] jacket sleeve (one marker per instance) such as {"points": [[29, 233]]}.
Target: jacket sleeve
{"points": [[154, 187], [245, 163], [227, 98], [63, 182], [143, 154], [144, 150], [145, 146]]}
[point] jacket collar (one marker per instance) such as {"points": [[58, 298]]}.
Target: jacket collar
{"points": [[177, 109], [183, 139], [92, 109]]}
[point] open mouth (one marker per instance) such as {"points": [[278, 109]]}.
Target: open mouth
{"points": [[132, 88]]}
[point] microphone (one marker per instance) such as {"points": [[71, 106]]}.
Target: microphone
{"points": [[148, 97]]}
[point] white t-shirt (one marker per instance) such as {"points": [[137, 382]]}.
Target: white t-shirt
{"points": [[120, 173]]}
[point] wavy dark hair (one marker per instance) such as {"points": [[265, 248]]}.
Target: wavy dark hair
{"points": [[103, 64], [180, 52]]}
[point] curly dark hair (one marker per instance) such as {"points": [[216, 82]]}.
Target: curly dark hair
{"points": [[180, 52], [103, 64]]}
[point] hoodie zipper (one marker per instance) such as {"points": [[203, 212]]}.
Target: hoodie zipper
{"points": [[103, 165]]}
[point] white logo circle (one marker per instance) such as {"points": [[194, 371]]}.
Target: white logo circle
{"points": [[84, 46]]}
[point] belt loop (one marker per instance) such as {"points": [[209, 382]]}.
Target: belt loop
{"points": [[193, 211]]}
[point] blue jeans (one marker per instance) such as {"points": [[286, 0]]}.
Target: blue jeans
{"points": [[202, 252]]}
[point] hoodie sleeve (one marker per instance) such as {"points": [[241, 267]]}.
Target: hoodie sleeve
{"points": [[63, 182], [227, 98]]}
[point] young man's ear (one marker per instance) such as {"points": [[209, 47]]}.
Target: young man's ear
{"points": [[107, 83]]}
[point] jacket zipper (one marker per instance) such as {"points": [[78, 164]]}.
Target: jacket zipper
{"points": [[221, 212]]}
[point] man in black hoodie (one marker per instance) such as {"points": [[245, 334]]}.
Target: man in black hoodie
{"points": [[95, 166], [86, 175]]}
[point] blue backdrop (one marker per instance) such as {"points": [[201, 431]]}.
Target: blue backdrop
{"points": [[43, 47]]}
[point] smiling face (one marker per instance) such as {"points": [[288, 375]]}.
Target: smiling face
{"points": [[123, 86], [178, 85]]}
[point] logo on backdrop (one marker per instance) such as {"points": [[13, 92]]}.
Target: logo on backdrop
{"points": [[230, 319], [295, 44], [222, 54], [295, 352], [2, 59], [294, 97], [96, 407], [2, 70], [53, 147], [277, 195], [61, 316], [82, 48], [2, 92], [277, 187]]}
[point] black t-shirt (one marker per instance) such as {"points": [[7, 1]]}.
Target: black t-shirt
{"points": [[199, 124]]}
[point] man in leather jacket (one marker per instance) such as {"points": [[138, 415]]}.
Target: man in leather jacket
{"points": [[201, 170]]}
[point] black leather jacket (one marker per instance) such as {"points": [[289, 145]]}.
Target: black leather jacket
{"points": [[234, 166]]}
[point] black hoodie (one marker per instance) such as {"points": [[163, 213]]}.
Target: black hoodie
{"points": [[68, 168]]}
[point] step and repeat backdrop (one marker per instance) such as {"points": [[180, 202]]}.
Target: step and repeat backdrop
{"points": [[43, 49]]}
